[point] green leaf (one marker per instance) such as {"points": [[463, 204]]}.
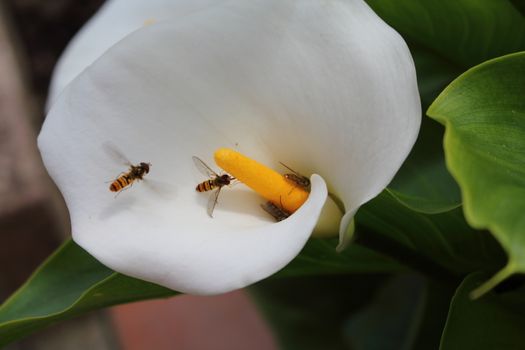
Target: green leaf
{"points": [[519, 5], [492, 322], [386, 323], [354, 311], [484, 115], [319, 257], [445, 37], [423, 183], [434, 72], [427, 330], [312, 312], [442, 246], [69, 283], [72, 282], [465, 32]]}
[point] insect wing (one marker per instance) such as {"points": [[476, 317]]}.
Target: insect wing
{"points": [[203, 168], [269, 207], [212, 201], [277, 213], [116, 154], [300, 181]]}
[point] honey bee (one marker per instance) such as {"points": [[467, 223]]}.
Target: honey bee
{"points": [[215, 182], [279, 214], [126, 179], [297, 179]]}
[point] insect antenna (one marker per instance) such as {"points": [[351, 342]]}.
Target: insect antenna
{"points": [[287, 167]]}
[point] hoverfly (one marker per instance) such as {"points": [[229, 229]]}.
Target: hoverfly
{"points": [[297, 179], [135, 173], [279, 214], [125, 179], [215, 182]]}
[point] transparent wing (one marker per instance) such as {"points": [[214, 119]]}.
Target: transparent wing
{"points": [[115, 153], [203, 168], [269, 208], [212, 201], [277, 213]]}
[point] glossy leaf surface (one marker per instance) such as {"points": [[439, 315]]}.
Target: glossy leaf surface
{"points": [[484, 115]]}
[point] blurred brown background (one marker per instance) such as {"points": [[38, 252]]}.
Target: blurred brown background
{"points": [[33, 218]]}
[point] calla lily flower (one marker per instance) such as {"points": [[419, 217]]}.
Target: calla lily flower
{"points": [[325, 87]]}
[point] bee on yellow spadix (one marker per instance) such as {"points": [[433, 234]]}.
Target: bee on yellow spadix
{"points": [[271, 185]]}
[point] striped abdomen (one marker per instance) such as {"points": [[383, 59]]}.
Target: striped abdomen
{"points": [[207, 185], [120, 183]]}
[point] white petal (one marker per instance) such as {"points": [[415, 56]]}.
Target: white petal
{"points": [[324, 87], [115, 20]]}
